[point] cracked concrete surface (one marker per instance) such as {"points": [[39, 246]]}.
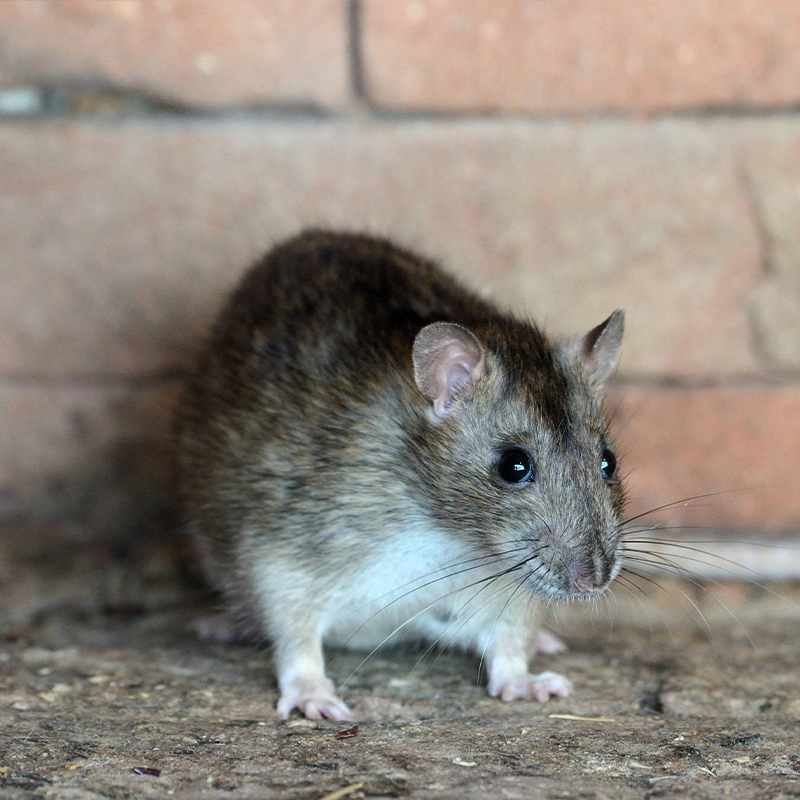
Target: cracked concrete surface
{"points": [[684, 712]]}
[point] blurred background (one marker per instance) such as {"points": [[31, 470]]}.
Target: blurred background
{"points": [[567, 157]]}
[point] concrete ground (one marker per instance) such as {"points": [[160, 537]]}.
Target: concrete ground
{"points": [[88, 702]]}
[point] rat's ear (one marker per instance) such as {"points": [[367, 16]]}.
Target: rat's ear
{"points": [[598, 351], [447, 357]]}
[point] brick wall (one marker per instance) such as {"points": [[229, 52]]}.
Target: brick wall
{"points": [[569, 156]]}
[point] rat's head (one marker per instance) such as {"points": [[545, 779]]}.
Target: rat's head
{"points": [[517, 454]]}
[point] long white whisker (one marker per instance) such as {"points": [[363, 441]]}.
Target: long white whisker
{"points": [[456, 617], [427, 608], [683, 573], [685, 500], [696, 560], [689, 599], [445, 577]]}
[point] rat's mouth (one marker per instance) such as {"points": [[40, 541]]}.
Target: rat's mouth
{"points": [[572, 588], [564, 594], [572, 575]]}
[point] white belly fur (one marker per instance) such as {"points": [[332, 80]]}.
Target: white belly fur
{"points": [[412, 593]]}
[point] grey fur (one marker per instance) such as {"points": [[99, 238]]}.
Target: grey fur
{"points": [[308, 453]]}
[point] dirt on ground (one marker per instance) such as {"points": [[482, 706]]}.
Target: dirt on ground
{"points": [[133, 705]]}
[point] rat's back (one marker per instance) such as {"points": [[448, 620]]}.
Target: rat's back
{"points": [[312, 345]]}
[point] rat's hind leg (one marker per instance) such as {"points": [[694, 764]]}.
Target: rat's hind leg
{"points": [[225, 627]]}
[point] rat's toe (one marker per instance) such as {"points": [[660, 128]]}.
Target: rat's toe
{"points": [[285, 706], [314, 700], [310, 710], [334, 709], [515, 690], [550, 683], [532, 687]]}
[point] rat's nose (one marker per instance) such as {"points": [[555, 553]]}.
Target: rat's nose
{"points": [[591, 575], [580, 582]]}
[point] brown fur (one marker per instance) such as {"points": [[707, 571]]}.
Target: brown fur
{"points": [[304, 439]]}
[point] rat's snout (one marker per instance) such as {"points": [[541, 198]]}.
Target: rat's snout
{"points": [[590, 574]]}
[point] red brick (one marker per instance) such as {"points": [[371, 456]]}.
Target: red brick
{"points": [[580, 55], [773, 172], [119, 240], [744, 443], [193, 52]]}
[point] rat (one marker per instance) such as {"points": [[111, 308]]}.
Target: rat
{"points": [[371, 453]]}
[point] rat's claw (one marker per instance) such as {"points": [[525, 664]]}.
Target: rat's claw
{"points": [[313, 700], [532, 687], [333, 709]]}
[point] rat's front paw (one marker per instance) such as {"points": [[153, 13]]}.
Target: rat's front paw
{"points": [[314, 699], [529, 687]]}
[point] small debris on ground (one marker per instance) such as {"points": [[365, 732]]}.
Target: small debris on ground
{"points": [[346, 791], [348, 734]]}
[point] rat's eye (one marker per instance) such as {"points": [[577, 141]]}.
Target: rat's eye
{"points": [[608, 465], [515, 466]]}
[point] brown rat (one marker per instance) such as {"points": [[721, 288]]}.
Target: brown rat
{"points": [[371, 453]]}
